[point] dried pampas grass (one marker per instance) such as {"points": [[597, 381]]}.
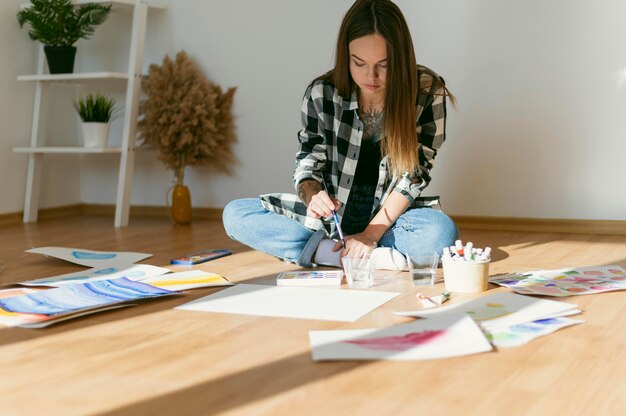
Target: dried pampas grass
{"points": [[186, 117]]}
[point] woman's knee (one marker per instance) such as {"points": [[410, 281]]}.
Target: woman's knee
{"points": [[234, 214], [446, 230], [423, 231]]}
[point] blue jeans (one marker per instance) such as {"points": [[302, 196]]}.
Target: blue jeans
{"points": [[417, 231]]}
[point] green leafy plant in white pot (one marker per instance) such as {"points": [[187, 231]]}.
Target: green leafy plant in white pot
{"points": [[96, 112], [58, 25]]}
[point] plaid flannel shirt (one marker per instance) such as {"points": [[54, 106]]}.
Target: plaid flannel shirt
{"points": [[330, 140]]}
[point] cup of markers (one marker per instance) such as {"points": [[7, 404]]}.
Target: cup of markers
{"points": [[465, 268]]}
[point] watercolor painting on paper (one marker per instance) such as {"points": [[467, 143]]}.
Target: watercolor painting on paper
{"points": [[502, 309], [565, 282], [14, 318], [441, 337], [137, 272], [9, 293], [90, 258], [190, 279], [81, 296], [520, 334]]}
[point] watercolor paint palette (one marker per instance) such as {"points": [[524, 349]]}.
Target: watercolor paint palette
{"points": [[313, 278], [565, 282]]}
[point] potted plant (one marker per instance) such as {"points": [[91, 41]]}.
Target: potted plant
{"points": [[58, 24], [96, 112], [189, 120]]}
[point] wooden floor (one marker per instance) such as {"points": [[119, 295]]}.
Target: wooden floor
{"points": [[152, 360]]}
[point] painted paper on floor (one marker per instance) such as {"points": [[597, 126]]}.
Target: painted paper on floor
{"points": [[137, 272], [90, 258], [81, 296], [8, 293], [190, 279], [501, 309], [516, 335], [565, 282], [442, 337], [13, 318]]}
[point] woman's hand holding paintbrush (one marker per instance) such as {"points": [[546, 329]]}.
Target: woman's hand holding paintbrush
{"points": [[320, 204]]}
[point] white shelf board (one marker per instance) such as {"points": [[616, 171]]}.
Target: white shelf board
{"points": [[67, 149], [75, 77], [157, 4]]}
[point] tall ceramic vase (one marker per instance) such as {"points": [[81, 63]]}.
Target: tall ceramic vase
{"points": [[181, 200]]}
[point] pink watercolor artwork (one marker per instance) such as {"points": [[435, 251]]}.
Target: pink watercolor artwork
{"points": [[399, 343], [438, 337]]}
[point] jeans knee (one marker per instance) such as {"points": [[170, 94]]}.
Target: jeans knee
{"points": [[421, 231], [233, 214], [447, 230], [227, 216], [440, 232]]}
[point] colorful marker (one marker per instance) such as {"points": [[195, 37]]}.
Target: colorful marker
{"points": [[467, 250], [468, 253], [458, 245]]}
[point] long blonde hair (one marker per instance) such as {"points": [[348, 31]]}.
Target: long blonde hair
{"points": [[399, 135]]}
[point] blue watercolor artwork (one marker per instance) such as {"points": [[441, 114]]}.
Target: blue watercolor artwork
{"points": [[84, 255], [520, 334], [91, 258], [132, 272], [79, 296], [108, 270]]}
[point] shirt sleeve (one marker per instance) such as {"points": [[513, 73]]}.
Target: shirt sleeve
{"points": [[431, 133], [311, 155]]}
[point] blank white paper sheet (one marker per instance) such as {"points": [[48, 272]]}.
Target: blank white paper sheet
{"points": [[327, 304]]}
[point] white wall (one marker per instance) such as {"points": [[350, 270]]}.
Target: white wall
{"points": [[540, 85], [61, 184], [14, 123], [541, 120], [16, 99]]}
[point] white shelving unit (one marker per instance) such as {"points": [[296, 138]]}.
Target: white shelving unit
{"points": [[132, 79]]}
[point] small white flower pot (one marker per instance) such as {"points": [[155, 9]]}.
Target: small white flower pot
{"points": [[95, 134]]}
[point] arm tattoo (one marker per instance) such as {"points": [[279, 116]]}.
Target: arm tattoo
{"points": [[310, 187]]}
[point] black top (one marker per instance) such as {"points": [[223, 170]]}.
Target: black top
{"points": [[367, 168]]}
